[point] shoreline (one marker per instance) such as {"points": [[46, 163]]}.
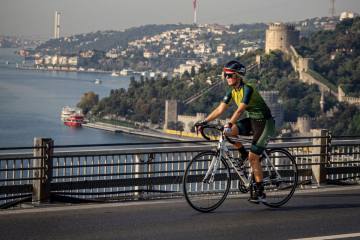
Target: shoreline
{"points": [[145, 133], [63, 70]]}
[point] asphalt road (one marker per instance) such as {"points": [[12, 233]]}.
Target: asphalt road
{"points": [[318, 213]]}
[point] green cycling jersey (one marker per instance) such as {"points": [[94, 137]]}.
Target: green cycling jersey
{"points": [[247, 94]]}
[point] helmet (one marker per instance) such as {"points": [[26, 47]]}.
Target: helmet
{"points": [[235, 66]]}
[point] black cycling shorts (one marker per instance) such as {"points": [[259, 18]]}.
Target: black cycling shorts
{"points": [[260, 129]]}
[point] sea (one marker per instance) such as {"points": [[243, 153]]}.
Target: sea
{"points": [[31, 102]]}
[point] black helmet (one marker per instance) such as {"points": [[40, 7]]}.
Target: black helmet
{"points": [[235, 66]]}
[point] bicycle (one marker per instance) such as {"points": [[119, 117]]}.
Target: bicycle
{"points": [[208, 176]]}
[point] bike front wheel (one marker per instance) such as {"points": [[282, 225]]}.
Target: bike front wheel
{"points": [[204, 195], [280, 177]]}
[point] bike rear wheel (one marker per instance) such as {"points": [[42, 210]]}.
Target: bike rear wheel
{"points": [[204, 196], [280, 177]]}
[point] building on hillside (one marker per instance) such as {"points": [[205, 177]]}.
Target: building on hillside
{"points": [[187, 67], [346, 15], [73, 60]]}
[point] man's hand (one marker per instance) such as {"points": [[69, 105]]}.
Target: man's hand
{"points": [[199, 125], [227, 128]]}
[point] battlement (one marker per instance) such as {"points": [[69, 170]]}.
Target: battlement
{"points": [[281, 27]]}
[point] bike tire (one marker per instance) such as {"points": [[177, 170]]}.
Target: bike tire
{"points": [[279, 190], [205, 197]]}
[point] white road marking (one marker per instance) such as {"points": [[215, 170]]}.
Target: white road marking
{"points": [[340, 236]]}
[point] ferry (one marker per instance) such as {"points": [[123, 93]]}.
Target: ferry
{"points": [[72, 117], [74, 120]]}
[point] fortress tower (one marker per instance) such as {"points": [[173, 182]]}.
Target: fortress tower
{"points": [[170, 112], [280, 36]]}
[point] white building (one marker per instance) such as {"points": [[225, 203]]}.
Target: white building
{"points": [[62, 60], [346, 15], [73, 61], [220, 48]]}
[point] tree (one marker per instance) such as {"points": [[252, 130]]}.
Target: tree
{"points": [[88, 101]]}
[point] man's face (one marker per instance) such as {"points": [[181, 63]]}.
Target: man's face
{"points": [[232, 78]]}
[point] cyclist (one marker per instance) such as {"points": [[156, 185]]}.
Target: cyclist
{"points": [[259, 121]]}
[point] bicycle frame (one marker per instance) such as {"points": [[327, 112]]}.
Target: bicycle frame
{"points": [[223, 151]]}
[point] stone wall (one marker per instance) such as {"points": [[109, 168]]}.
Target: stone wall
{"points": [[189, 121], [343, 98]]}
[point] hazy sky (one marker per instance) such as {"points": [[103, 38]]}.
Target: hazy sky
{"points": [[36, 17]]}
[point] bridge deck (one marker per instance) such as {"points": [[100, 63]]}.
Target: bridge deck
{"points": [[316, 213]]}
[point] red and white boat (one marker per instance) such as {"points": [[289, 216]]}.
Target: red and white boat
{"points": [[72, 117]]}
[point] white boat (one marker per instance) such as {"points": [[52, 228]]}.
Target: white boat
{"points": [[67, 112], [98, 81], [114, 74]]}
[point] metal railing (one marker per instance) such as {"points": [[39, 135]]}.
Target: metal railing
{"points": [[87, 173]]}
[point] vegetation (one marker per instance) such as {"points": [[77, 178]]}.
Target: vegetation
{"points": [[88, 101], [337, 54], [144, 100], [103, 40]]}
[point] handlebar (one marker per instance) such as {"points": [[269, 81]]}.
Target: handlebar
{"points": [[209, 135], [209, 126]]}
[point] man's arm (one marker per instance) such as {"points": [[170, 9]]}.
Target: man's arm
{"points": [[236, 115], [217, 112]]}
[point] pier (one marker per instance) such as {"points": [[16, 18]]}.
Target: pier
{"points": [[141, 132]]}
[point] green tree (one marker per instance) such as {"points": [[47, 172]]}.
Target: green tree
{"points": [[88, 101]]}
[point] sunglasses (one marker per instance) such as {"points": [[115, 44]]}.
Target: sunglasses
{"points": [[230, 75]]}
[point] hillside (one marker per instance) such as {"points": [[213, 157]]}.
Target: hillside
{"points": [[336, 54], [275, 74], [103, 40]]}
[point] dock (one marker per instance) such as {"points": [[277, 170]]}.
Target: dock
{"points": [[141, 132]]}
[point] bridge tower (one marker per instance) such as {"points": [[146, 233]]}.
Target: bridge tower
{"points": [[332, 8], [57, 25], [195, 8]]}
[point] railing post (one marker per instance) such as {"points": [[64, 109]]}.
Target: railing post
{"points": [[138, 169], [43, 152], [319, 170]]}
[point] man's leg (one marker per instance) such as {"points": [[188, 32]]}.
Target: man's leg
{"points": [[242, 151], [256, 167], [242, 127], [258, 195], [257, 147]]}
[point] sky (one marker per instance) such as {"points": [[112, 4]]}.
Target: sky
{"points": [[35, 18]]}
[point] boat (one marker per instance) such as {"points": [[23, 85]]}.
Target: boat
{"points": [[74, 120], [72, 117], [114, 74], [98, 81]]}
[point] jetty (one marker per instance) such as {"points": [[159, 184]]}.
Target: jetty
{"points": [[141, 132]]}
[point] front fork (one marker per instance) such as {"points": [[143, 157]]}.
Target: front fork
{"points": [[210, 173]]}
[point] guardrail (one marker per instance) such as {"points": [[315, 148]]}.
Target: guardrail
{"points": [[110, 172]]}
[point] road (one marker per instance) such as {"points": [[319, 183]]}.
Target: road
{"points": [[317, 213]]}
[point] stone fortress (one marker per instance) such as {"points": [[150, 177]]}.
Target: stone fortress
{"points": [[284, 37]]}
